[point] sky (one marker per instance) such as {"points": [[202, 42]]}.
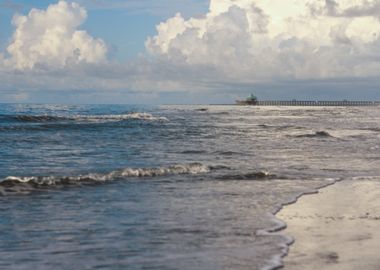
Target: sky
{"points": [[188, 51]]}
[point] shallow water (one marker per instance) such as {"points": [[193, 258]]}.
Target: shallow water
{"points": [[172, 187]]}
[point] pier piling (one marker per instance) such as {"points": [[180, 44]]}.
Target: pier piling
{"points": [[305, 103]]}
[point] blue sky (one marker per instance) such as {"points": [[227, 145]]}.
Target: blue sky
{"points": [[124, 27], [188, 51]]}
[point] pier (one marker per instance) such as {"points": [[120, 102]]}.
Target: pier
{"points": [[344, 103]]}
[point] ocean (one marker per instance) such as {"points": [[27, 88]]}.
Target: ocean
{"points": [[167, 187]]}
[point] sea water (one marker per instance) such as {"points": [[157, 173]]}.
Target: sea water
{"points": [[169, 187]]}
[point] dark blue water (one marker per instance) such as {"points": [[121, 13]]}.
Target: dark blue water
{"points": [[175, 187]]}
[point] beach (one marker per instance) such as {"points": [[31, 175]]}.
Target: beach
{"points": [[337, 228], [186, 187]]}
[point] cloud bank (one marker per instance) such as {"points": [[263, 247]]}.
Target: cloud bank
{"points": [[50, 39], [258, 40], [280, 45]]}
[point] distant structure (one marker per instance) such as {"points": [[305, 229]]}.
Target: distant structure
{"points": [[253, 100]]}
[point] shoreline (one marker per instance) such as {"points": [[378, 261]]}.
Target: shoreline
{"points": [[336, 228]]}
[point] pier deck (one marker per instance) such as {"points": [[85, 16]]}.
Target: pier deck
{"points": [[316, 103]]}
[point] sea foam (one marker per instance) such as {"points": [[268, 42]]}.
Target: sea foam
{"points": [[12, 184], [86, 118]]}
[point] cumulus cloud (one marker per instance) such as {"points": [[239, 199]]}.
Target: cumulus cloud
{"points": [[344, 8], [258, 40], [50, 39], [281, 46]]}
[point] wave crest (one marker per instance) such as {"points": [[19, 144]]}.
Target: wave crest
{"points": [[318, 134], [120, 117], [261, 175], [13, 184], [87, 118]]}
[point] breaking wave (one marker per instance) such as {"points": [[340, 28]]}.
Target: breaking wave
{"points": [[85, 118], [12, 184], [318, 134], [265, 126], [261, 175]]}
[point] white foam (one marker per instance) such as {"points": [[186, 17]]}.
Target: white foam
{"points": [[120, 117], [276, 261], [193, 168], [91, 118]]}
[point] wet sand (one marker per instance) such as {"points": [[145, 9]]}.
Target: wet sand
{"points": [[338, 228]]}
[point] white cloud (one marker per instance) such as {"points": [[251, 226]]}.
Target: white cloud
{"points": [[50, 38], [258, 40], [293, 46]]}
